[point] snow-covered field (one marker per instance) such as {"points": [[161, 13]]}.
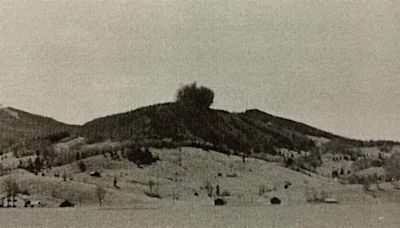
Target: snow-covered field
{"points": [[322, 215]]}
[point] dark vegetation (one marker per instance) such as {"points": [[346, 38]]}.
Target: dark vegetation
{"points": [[139, 155]]}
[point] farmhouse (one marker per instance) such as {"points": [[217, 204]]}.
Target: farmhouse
{"points": [[18, 200]]}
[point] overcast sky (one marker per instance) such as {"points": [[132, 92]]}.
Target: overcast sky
{"points": [[331, 64]]}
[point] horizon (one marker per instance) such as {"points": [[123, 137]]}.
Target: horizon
{"points": [[330, 65]]}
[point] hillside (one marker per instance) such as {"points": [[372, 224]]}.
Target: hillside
{"points": [[252, 130], [184, 175], [17, 126]]}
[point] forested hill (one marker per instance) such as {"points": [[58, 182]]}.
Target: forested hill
{"points": [[251, 130], [17, 126]]}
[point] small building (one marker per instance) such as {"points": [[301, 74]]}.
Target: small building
{"points": [[18, 201], [35, 203], [275, 201], [66, 203], [95, 174], [330, 200], [219, 202]]}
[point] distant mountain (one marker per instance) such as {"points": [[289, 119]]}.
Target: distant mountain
{"points": [[252, 130], [17, 126]]}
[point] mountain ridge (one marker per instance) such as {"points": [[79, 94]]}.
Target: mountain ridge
{"points": [[250, 130]]}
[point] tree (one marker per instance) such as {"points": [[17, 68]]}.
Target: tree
{"points": [[151, 185], [38, 164], [195, 97], [100, 194], [139, 156], [30, 167], [64, 176], [81, 166], [392, 166], [115, 182], [335, 173], [10, 187]]}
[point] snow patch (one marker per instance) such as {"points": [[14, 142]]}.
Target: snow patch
{"points": [[12, 113]]}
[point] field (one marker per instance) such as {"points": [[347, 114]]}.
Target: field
{"points": [[317, 215]]}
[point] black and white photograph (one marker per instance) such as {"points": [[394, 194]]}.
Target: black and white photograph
{"points": [[199, 113]]}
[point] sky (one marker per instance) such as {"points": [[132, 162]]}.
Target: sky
{"points": [[331, 64]]}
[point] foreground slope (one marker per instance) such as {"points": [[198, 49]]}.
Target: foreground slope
{"points": [[185, 175]]}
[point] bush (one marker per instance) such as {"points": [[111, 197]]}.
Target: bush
{"points": [[139, 156]]}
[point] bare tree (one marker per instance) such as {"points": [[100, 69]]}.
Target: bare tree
{"points": [[1, 170], [151, 185], [100, 194], [392, 166], [10, 187]]}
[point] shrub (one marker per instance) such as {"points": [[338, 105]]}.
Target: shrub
{"points": [[139, 156]]}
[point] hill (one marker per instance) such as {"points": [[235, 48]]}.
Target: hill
{"points": [[17, 126], [250, 131]]}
